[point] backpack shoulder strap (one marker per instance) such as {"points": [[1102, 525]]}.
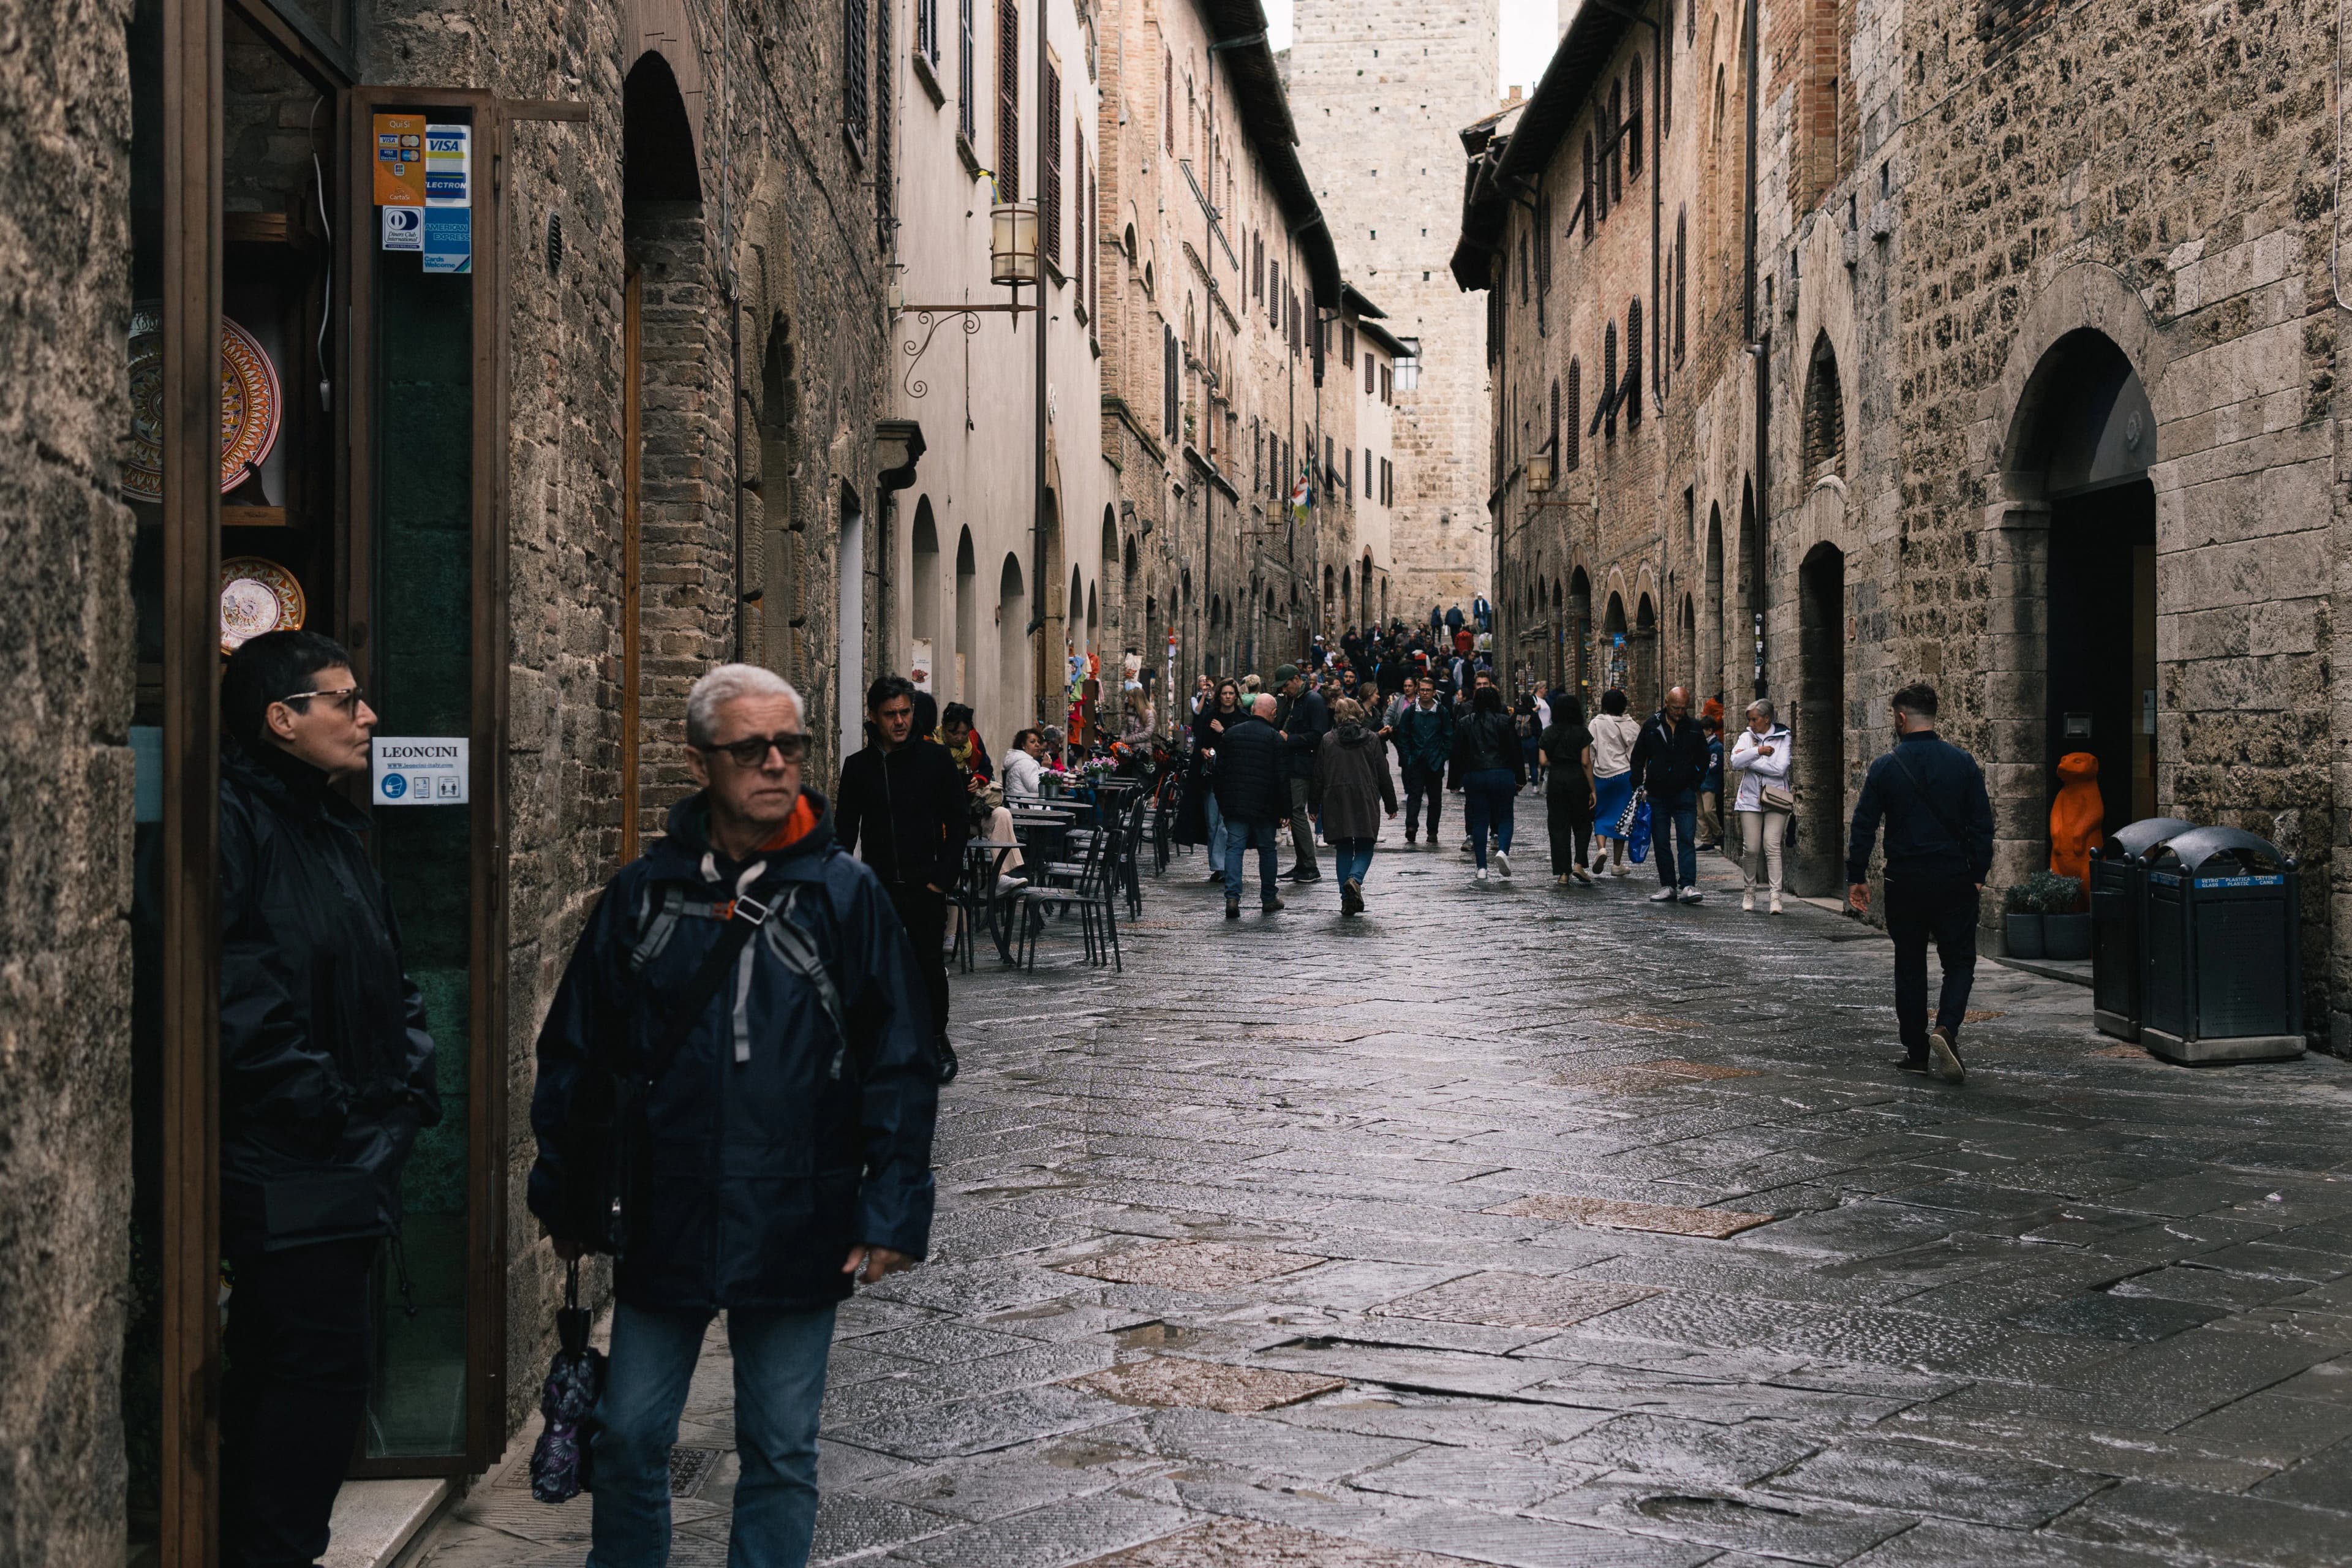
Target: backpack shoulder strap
{"points": [[1960, 840], [797, 951]]}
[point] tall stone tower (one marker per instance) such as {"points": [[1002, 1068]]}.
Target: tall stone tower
{"points": [[1380, 90]]}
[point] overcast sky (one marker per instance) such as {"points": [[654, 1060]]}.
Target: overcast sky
{"points": [[1530, 27]]}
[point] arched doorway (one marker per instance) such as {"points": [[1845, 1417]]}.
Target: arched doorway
{"points": [[967, 607], [1686, 651], [2084, 430], [1818, 725], [1751, 594], [1012, 707], [1711, 611], [1645, 690], [923, 602], [849, 660], [1615, 656], [1579, 637]]}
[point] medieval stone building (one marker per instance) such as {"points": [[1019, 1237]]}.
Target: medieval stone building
{"points": [[612, 415], [1989, 344]]}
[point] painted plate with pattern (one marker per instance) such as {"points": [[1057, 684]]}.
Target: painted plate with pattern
{"points": [[253, 405], [257, 595]]}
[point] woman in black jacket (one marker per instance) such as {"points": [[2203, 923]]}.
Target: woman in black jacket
{"points": [[1220, 713], [1566, 751], [1490, 768]]}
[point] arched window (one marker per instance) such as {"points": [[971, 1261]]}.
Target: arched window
{"points": [[1633, 121], [1616, 158], [1574, 453], [1824, 426], [1634, 364], [1682, 277], [1554, 448], [1589, 196], [1610, 384]]}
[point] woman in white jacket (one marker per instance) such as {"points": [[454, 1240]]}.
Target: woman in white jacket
{"points": [[1760, 756], [1024, 766]]}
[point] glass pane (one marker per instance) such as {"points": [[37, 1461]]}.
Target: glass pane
{"points": [[143, 1345], [423, 666]]}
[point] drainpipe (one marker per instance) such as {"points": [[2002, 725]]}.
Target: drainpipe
{"points": [[1759, 347], [1039, 586]]}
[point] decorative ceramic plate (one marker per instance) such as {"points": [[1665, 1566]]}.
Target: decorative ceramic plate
{"points": [[257, 595], [252, 404]]}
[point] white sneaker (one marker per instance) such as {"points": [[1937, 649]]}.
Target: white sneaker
{"points": [[1776, 903], [1502, 865], [1479, 874], [1692, 895], [1621, 870], [1748, 903], [1663, 896]]}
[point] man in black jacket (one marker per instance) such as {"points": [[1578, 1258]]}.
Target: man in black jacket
{"points": [[1302, 726], [904, 797], [326, 1076], [1671, 755], [1253, 789], [754, 982], [1938, 853]]}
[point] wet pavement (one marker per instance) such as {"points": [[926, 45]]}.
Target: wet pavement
{"points": [[1529, 1225]]}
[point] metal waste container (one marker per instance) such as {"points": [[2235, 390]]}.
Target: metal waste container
{"points": [[2221, 968], [2117, 874]]}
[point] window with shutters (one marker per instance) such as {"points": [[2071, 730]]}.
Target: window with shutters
{"points": [[1585, 205], [1049, 178], [1633, 122], [1347, 345], [883, 192], [1682, 277], [1371, 382], [1573, 453], [966, 73], [1094, 273], [1168, 382], [1078, 214], [1553, 447], [1273, 293], [1008, 100], [1168, 98], [853, 69], [927, 30], [1633, 365], [1609, 384]]}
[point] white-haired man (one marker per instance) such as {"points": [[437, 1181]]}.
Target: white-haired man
{"points": [[736, 1095]]}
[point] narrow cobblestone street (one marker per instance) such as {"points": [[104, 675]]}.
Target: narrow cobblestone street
{"points": [[1531, 1225]]}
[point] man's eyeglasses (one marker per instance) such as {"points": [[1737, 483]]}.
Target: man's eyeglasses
{"points": [[751, 752], [347, 698]]}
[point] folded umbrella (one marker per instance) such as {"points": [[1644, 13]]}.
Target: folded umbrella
{"points": [[575, 1381]]}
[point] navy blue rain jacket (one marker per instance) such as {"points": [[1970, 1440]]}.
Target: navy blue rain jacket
{"points": [[1950, 843], [765, 1170], [1425, 741]]}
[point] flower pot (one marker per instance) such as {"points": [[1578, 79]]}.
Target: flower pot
{"points": [[2066, 936], [2021, 935]]}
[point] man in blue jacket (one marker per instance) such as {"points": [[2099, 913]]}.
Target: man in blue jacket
{"points": [[1424, 739], [1938, 853], [752, 981]]}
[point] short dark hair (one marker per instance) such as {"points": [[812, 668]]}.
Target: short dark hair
{"points": [[956, 713], [263, 669], [888, 688], [1021, 739], [1919, 698], [1613, 701], [1487, 699]]}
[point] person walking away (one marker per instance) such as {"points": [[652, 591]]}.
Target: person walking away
{"points": [[1424, 744], [1671, 758], [1528, 720], [1352, 788], [1931, 795], [1613, 735], [1762, 757], [326, 1074], [1491, 769], [1565, 749], [1223, 711], [757, 976], [1024, 766], [903, 797], [1710, 788], [1302, 729], [1253, 789]]}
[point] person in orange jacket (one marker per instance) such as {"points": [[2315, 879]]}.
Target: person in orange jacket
{"points": [[2077, 817]]}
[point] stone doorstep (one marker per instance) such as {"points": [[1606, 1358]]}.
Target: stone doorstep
{"points": [[2074, 972], [374, 1520]]}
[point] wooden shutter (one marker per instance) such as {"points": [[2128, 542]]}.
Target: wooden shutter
{"points": [[1049, 178], [1008, 100]]}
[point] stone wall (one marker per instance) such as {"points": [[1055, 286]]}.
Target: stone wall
{"points": [[65, 785], [1380, 90]]}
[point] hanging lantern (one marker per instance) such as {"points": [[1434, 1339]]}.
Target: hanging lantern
{"points": [[1539, 470], [1012, 243]]}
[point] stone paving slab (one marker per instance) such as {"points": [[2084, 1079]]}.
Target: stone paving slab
{"points": [[2090, 1310]]}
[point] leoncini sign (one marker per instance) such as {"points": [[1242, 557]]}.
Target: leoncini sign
{"points": [[421, 769]]}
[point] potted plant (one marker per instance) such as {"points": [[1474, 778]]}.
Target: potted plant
{"points": [[2065, 922], [2020, 922]]}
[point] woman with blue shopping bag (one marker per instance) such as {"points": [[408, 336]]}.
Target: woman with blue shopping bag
{"points": [[1613, 735]]}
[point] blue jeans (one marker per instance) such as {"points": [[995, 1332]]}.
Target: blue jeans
{"points": [[1355, 856], [1216, 829], [1486, 797], [1239, 837], [1674, 837], [779, 1387]]}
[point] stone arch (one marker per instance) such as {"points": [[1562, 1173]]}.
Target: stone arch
{"points": [[1822, 429], [923, 594], [962, 675], [1817, 722], [1012, 661], [666, 28]]}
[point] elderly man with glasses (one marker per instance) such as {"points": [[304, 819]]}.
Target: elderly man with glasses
{"points": [[736, 1095]]}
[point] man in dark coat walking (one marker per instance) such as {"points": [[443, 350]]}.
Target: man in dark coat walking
{"points": [[1670, 756], [1302, 726], [326, 1075], [1938, 821], [753, 981], [1424, 746], [904, 800], [1254, 794]]}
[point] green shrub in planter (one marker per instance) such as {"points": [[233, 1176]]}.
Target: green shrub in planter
{"points": [[2022, 920]]}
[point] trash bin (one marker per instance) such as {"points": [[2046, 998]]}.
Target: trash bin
{"points": [[2116, 875], [2221, 968]]}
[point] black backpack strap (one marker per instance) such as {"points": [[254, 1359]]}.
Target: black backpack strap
{"points": [[747, 914], [1960, 840], [798, 952]]}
